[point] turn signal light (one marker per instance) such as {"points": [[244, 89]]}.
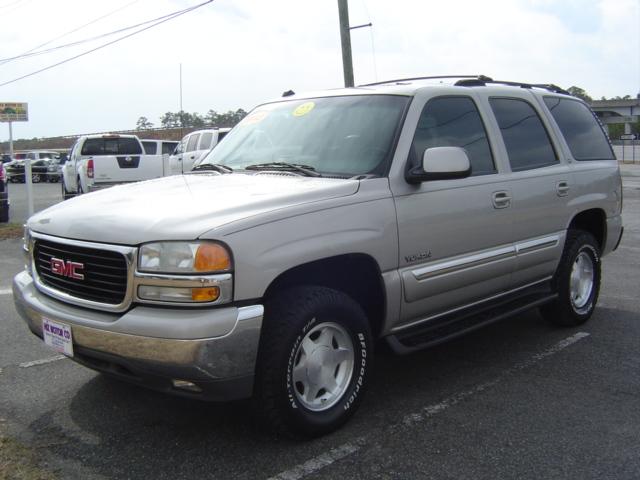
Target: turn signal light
{"points": [[211, 257]]}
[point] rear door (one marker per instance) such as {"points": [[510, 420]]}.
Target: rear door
{"points": [[540, 183]]}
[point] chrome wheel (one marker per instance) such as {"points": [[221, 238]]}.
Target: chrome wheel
{"points": [[323, 366], [581, 280]]}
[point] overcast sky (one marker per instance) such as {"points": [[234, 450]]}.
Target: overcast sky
{"points": [[239, 53]]}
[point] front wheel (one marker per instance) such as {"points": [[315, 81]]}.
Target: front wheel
{"points": [[576, 281], [316, 352], [35, 178]]}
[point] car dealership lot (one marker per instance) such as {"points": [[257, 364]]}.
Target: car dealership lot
{"points": [[518, 399]]}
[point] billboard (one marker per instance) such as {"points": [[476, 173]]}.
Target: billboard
{"points": [[13, 112]]}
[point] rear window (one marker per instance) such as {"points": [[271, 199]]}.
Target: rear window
{"points": [[111, 146], [150, 148], [580, 129]]}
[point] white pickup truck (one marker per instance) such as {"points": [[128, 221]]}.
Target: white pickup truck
{"points": [[100, 161], [193, 147]]}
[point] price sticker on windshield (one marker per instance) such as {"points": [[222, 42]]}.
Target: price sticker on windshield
{"points": [[255, 117], [303, 109]]}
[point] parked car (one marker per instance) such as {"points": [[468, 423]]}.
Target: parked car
{"points": [[54, 169], [101, 161], [39, 170], [5, 158], [4, 195], [402, 212], [193, 147]]}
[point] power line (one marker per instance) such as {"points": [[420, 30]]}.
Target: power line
{"points": [[175, 15], [10, 59], [86, 40]]}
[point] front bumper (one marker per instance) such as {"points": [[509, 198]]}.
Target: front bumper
{"points": [[214, 349]]}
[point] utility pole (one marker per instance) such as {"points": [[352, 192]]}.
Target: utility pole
{"points": [[345, 39]]}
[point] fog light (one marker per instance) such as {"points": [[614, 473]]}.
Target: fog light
{"points": [[186, 385], [178, 294], [207, 294]]}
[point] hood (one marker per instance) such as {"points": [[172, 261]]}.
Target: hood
{"points": [[180, 207]]}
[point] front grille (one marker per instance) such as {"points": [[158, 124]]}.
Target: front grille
{"points": [[105, 272]]}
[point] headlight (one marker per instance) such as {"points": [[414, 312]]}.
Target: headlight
{"points": [[184, 257]]}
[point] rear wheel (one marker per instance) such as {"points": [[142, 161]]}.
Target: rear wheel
{"points": [[316, 352], [35, 177], [576, 281], [80, 190]]}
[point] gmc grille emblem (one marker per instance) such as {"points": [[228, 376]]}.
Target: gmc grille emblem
{"points": [[67, 268]]}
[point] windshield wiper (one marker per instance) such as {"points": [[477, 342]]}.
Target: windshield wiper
{"points": [[307, 170], [216, 167]]}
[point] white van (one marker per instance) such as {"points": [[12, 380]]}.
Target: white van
{"points": [[193, 147]]}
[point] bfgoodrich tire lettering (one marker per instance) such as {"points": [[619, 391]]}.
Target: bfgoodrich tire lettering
{"points": [[576, 281], [313, 338]]}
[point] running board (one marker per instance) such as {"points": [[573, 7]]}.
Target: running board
{"points": [[446, 328]]}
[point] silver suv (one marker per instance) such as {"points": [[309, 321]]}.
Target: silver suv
{"points": [[400, 212]]}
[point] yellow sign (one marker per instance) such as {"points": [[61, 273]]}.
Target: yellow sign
{"points": [[303, 109], [14, 112]]}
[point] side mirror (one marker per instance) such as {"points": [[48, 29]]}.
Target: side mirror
{"points": [[441, 163]]}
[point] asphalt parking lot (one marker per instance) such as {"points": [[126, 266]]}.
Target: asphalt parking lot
{"points": [[518, 399]]}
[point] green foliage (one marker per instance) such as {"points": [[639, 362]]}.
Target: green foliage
{"points": [[195, 120], [579, 93], [143, 123]]}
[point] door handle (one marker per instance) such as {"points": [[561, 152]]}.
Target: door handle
{"points": [[562, 188], [501, 199]]}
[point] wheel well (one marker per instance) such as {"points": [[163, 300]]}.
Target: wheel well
{"points": [[593, 221], [357, 275]]}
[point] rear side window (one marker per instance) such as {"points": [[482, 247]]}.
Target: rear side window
{"points": [[580, 129], [169, 147], [150, 148], [221, 135], [205, 141], [527, 141], [193, 141], [111, 146], [454, 122]]}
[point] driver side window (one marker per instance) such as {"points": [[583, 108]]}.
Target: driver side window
{"points": [[453, 122]]}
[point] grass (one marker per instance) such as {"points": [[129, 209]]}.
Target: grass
{"points": [[18, 462], [10, 230]]}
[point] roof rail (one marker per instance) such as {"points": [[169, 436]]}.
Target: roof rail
{"points": [[436, 77], [483, 81]]}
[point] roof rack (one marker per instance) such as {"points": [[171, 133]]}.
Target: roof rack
{"points": [[436, 77], [474, 81]]}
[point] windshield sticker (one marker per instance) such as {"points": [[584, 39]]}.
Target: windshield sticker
{"points": [[303, 109], [255, 117]]}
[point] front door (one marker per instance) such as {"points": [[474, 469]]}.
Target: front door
{"points": [[453, 234]]}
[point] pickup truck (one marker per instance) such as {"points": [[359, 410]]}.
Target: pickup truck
{"points": [[100, 161], [403, 212], [193, 147]]}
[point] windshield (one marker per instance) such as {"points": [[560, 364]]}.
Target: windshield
{"points": [[349, 135]]}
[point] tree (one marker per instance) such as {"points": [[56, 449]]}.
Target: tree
{"points": [[170, 120], [579, 93], [143, 123]]}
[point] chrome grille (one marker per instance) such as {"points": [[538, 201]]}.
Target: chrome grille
{"points": [[105, 272]]}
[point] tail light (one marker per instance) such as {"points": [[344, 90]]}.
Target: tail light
{"points": [[90, 168]]}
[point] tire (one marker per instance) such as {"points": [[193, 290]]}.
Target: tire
{"points": [[35, 178], [576, 281], [80, 190], [4, 208], [65, 193], [305, 329]]}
